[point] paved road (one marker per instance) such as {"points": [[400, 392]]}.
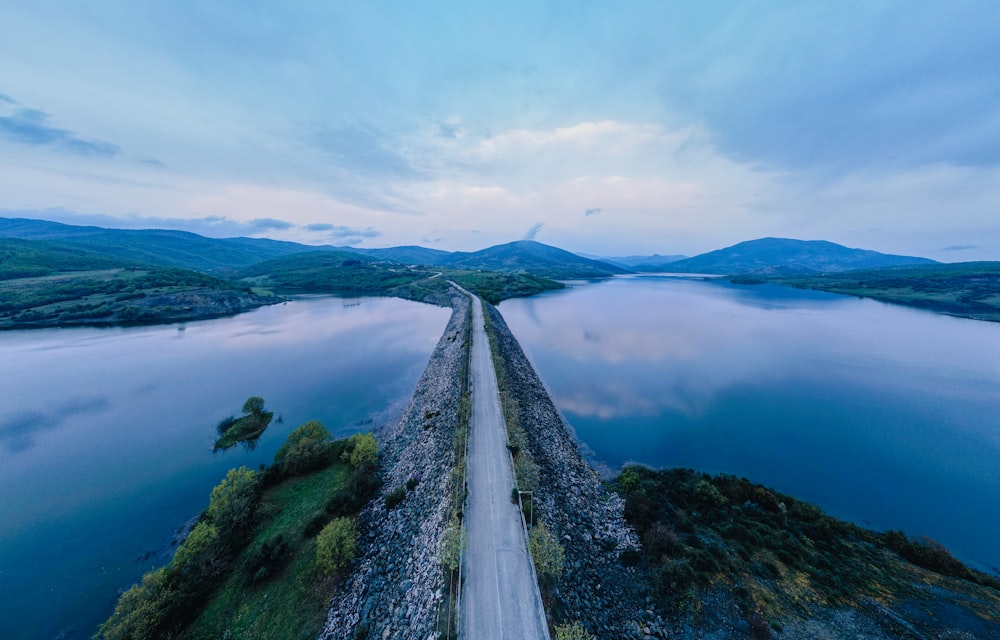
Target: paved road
{"points": [[500, 599]]}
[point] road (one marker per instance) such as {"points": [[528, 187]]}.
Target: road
{"points": [[500, 598]]}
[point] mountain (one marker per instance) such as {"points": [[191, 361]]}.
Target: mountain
{"points": [[535, 258], [35, 258], [782, 256], [179, 249], [409, 254], [655, 262]]}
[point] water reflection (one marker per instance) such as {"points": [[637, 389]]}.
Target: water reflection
{"points": [[18, 429], [106, 434], [881, 414]]}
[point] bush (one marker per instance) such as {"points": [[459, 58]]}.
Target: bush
{"points": [[393, 498], [547, 553], [574, 631], [364, 449], [336, 545], [268, 559], [452, 545], [233, 504], [526, 472], [306, 449]]}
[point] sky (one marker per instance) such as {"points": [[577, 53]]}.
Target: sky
{"points": [[613, 129]]}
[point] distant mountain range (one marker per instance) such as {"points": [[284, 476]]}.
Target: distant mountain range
{"points": [[781, 256], [655, 262], [228, 256]]}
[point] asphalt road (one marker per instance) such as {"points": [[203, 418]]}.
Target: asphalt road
{"points": [[500, 598]]}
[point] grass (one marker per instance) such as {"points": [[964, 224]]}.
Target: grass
{"points": [[292, 604]]}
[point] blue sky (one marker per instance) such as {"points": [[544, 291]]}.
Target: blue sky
{"points": [[669, 127]]}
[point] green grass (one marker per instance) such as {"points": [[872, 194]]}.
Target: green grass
{"points": [[292, 604]]}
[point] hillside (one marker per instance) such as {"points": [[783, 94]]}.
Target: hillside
{"points": [[966, 289], [408, 254], [165, 248], [341, 272], [655, 262], [535, 258], [33, 258], [782, 256]]}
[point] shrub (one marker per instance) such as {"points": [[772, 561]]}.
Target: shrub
{"points": [[233, 504], [574, 631], [306, 449], [412, 483], [393, 498], [336, 545], [268, 559], [452, 545], [708, 495], [547, 553], [526, 472], [364, 449]]}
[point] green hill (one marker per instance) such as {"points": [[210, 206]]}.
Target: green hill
{"points": [[534, 258], [178, 249], [782, 256], [966, 289], [34, 258]]}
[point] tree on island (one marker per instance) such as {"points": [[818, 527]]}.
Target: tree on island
{"points": [[247, 429]]}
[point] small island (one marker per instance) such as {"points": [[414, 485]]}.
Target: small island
{"points": [[246, 429]]}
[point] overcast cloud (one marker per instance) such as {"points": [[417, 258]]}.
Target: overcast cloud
{"points": [[697, 125]]}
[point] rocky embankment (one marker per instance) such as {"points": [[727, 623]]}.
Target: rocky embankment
{"points": [[595, 589], [398, 586]]}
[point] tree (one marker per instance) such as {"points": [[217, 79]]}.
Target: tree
{"points": [[304, 450], [140, 612], [336, 544], [547, 553], [233, 503], [200, 553], [364, 449], [254, 406]]}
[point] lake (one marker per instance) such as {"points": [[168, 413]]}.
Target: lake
{"points": [[882, 415], [106, 434]]}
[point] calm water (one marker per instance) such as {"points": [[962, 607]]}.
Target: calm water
{"points": [[886, 416], [105, 434]]}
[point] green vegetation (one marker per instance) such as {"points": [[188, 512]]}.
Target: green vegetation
{"points": [[44, 284], [494, 287], [267, 554], [773, 554], [306, 449], [453, 540], [966, 289], [572, 631], [345, 273], [336, 545], [248, 428], [546, 552]]}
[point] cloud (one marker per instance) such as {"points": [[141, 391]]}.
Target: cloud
{"points": [[214, 226], [267, 224], [29, 126], [319, 226], [593, 211], [533, 231], [362, 150], [960, 247], [17, 432], [450, 130]]}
